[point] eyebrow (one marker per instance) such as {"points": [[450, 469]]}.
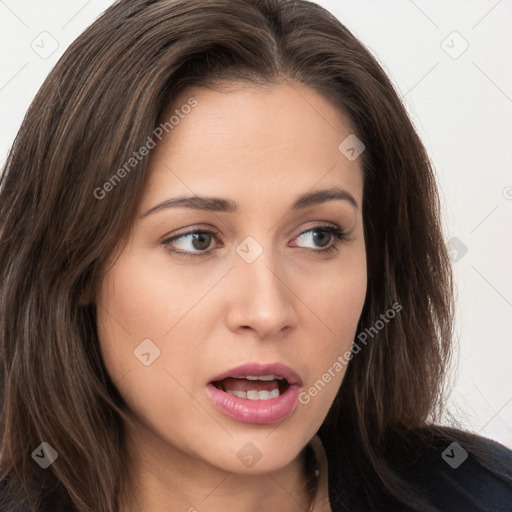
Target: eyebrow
{"points": [[217, 204]]}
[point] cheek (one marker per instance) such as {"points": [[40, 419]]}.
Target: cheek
{"points": [[133, 294], [335, 313], [136, 301], [336, 298], [143, 298], [128, 314], [134, 312]]}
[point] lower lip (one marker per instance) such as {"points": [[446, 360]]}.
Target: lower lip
{"points": [[255, 411]]}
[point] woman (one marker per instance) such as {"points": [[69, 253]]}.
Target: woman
{"points": [[223, 282]]}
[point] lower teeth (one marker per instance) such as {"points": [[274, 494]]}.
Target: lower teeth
{"points": [[255, 395]]}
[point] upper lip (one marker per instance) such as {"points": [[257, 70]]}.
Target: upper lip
{"points": [[258, 369]]}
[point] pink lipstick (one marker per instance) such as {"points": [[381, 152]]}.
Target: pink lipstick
{"points": [[256, 393]]}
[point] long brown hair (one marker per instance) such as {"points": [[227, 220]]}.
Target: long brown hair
{"points": [[99, 105]]}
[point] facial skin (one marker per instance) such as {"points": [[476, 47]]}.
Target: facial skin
{"points": [[261, 148]]}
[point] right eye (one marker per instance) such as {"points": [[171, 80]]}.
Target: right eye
{"points": [[192, 243]]}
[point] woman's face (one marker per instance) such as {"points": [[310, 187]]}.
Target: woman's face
{"points": [[263, 288]]}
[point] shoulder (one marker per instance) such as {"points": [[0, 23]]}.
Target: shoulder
{"points": [[434, 469], [456, 470]]}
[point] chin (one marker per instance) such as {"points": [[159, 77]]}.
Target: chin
{"points": [[261, 452]]}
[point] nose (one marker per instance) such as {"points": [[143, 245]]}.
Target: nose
{"points": [[262, 299]]}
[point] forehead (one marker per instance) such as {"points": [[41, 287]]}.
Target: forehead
{"points": [[254, 144]]}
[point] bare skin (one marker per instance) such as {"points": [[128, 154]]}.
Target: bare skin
{"points": [[261, 148]]}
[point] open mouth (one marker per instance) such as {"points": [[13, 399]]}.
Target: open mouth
{"points": [[263, 387], [256, 393]]}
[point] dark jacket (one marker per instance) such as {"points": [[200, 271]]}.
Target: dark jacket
{"points": [[446, 471]]}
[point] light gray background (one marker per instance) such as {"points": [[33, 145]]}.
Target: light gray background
{"points": [[460, 100]]}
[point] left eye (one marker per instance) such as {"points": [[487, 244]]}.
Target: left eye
{"points": [[320, 236], [197, 243]]}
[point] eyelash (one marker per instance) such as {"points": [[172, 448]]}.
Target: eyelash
{"points": [[339, 236]]}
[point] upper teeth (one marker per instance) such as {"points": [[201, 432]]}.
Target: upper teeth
{"points": [[255, 395], [262, 377]]}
